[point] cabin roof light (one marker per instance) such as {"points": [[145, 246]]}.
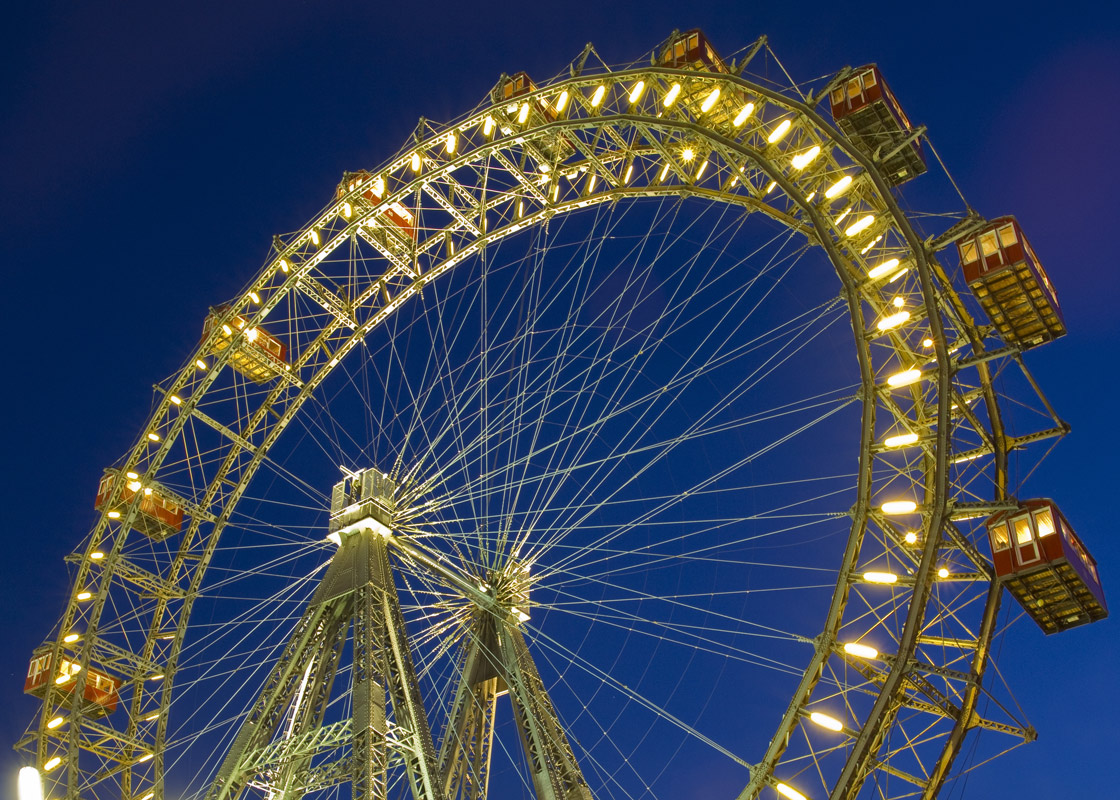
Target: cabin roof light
{"points": [[600, 93], [562, 101], [131, 475], [522, 116], [780, 131], [826, 721], [134, 486], [415, 159], [861, 650], [672, 94], [899, 507], [636, 91], [449, 145]]}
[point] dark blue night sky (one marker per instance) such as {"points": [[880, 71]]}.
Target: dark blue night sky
{"points": [[150, 151]]}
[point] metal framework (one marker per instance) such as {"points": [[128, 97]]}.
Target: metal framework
{"points": [[930, 420]]}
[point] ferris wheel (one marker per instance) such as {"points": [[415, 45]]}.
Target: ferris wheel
{"points": [[625, 431]]}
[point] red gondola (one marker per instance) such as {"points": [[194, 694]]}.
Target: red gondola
{"points": [[260, 357], [373, 189], [691, 50], [159, 516], [529, 114], [1045, 566], [101, 692], [866, 110], [1010, 283]]}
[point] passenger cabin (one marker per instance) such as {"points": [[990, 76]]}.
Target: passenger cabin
{"points": [[524, 114], [260, 356], [691, 50], [1010, 283], [101, 693], [868, 113], [401, 221], [1044, 565], [159, 516]]}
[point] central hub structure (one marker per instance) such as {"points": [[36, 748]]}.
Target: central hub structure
{"points": [[363, 500]]}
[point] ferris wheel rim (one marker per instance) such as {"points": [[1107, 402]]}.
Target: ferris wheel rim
{"points": [[220, 361]]}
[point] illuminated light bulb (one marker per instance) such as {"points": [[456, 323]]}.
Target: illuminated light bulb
{"points": [[52, 763], [148, 796], [131, 475], [898, 274], [861, 650], [175, 399], [898, 302], [880, 577], [591, 183], [520, 208], [943, 573], [97, 555], [600, 93], [843, 216], [284, 265], [901, 440], [773, 185], [147, 490], [710, 100], [347, 211], [154, 437], [256, 298], [838, 188], [672, 94], [789, 791], [61, 679], [636, 91], [867, 247], [487, 125], [145, 757], [251, 334], [882, 269], [893, 321], [153, 716], [802, 160], [83, 595], [664, 172], [314, 234], [688, 154], [522, 117], [899, 507], [54, 723], [71, 637], [700, 172], [562, 101], [905, 378], [927, 342], [910, 538], [379, 186], [30, 784], [416, 156], [133, 486], [227, 330], [825, 721], [743, 114], [629, 172], [157, 677], [780, 131], [860, 225], [452, 141], [114, 515]]}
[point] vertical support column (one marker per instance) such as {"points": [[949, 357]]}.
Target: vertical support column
{"points": [[370, 764]]}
